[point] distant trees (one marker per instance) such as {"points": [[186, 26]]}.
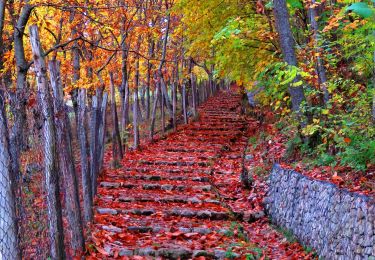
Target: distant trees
{"points": [[154, 61]]}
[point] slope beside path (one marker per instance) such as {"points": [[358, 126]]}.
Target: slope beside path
{"points": [[181, 197]]}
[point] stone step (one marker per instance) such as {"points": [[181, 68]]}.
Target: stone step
{"points": [[175, 212], [208, 138], [176, 156], [210, 132], [222, 118], [167, 170], [182, 150], [170, 163], [163, 199], [163, 229], [165, 253], [213, 129], [125, 177], [154, 186], [193, 144]]}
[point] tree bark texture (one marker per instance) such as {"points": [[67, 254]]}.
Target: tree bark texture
{"points": [[9, 248], [50, 152], [85, 163], [66, 157], [116, 139], [287, 43]]}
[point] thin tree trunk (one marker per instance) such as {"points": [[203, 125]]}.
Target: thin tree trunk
{"points": [[160, 73], [174, 96], [140, 116], [2, 20], [193, 90], [85, 164], [321, 71], [126, 108], [142, 97], [50, 152], [135, 118], [67, 162], [101, 144], [136, 111], [76, 70], [124, 89], [116, 139], [162, 112], [184, 108], [281, 14], [153, 116], [148, 103], [149, 67], [94, 138]]}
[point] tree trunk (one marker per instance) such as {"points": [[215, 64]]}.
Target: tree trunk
{"points": [[148, 103], [160, 73], [2, 20], [136, 111], [162, 112], [9, 248], [116, 139], [140, 116], [76, 70], [85, 164], [174, 96], [124, 89], [94, 138], [153, 116], [287, 46], [126, 107], [101, 144], [70, 182], [321, 71], [50, 152], [149, 67], [142, 96], [135, 118], [184, 108], [193, 91], [18, 98]]}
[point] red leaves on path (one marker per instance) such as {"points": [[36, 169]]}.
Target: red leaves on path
{"points": [[181, 197]]}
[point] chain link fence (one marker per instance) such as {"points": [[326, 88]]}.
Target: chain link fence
{"points": [[8, 228]]}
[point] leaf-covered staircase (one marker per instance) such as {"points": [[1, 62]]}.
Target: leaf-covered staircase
{"points": [[178, 197]]}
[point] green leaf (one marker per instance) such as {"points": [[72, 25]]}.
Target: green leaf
{"points": [[269, 5], [362, 9], [297, 84], [295, 4]]}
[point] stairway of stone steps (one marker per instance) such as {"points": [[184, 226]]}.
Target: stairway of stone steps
{"points": [[171, 199]]}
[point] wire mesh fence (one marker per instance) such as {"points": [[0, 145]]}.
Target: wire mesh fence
{"points": [[8, 229]]}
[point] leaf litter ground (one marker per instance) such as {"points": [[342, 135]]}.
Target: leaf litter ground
{"points": [[181, 197]]}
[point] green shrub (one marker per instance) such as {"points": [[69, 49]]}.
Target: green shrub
{"points": [[359, 153]]}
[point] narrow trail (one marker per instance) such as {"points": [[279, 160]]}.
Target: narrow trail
{"points": [[176, 198]]}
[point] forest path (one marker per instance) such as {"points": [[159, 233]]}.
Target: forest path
{"points": [[176, 198]]}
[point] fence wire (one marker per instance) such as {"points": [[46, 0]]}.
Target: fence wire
{"points": [[8, 231]]}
